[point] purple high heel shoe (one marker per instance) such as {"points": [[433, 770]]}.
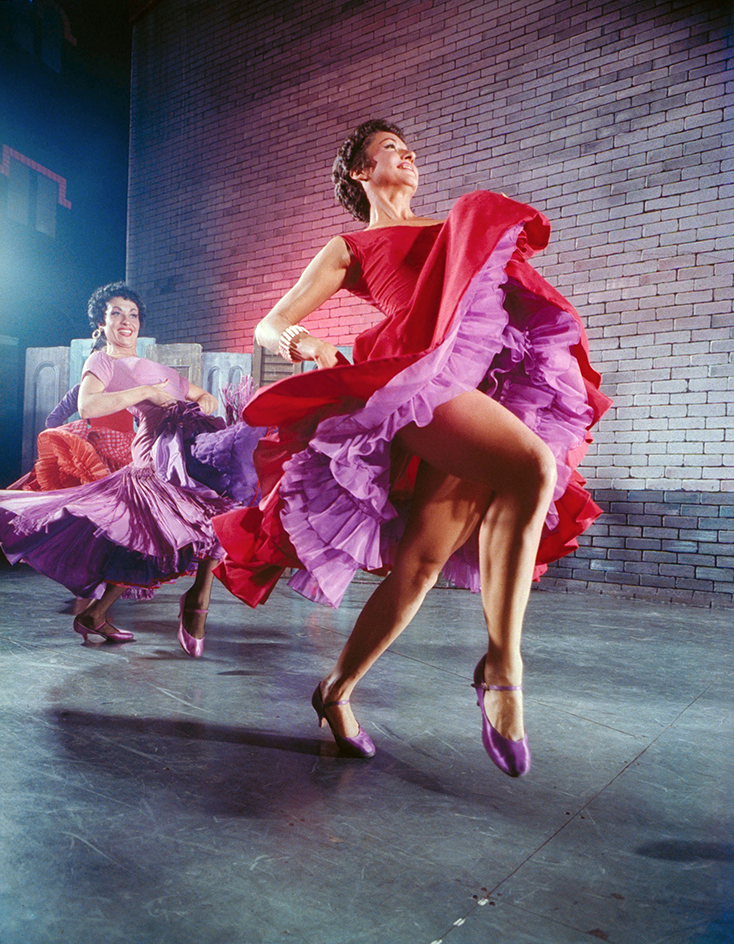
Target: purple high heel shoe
{"points": [[115, 635], [512, 757], [359, 746], [190, 644]]}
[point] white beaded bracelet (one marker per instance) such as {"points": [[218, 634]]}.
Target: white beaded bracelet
{"points": [[287, 340]]}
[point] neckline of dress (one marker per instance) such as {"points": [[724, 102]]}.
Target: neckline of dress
{"points": [[376, 229]]}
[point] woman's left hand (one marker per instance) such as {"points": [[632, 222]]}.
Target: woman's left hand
{"points": [[207, 403], [314, 349]]}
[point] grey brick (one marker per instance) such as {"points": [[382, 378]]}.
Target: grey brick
{"points": [[629, 580], [695, 584], [651, 544], [677, 570], [657, 580], [680, 521], [641, 567], [680, 546], [660, 557], [607, 565], [624, 554], [725, 499], [717, 524], [715, 573]]}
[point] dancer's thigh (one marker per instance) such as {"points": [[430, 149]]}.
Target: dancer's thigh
{"points": [[475, 438], [444, 511]]}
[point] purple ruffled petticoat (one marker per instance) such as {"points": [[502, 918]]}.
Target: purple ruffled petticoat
{"points": [[141, 526], [505, 341]]}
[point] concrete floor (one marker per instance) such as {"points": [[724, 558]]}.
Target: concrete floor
{"points": [[150, 798]]}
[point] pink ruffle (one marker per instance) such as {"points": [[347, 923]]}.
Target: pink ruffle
{"points": [[504, 340]]}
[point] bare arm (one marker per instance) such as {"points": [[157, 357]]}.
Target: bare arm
{"points": [[94, 401], [207, 401], [323, 277]]}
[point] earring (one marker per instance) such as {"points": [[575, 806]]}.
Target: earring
{"points": [[97, 333]]}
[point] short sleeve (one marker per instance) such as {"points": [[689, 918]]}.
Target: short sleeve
{"points": [[100, 365]]}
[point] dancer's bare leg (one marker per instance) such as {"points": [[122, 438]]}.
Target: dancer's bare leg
{"points": [[521, 470], [497, 471], [197, 598], [508, 543], [94, 613], [444, 512]]}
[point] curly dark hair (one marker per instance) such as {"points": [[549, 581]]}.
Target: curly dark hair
{"points": [[101, 296], [352, 157]]}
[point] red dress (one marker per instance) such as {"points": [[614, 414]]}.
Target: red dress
{"points": [[463, 310]]}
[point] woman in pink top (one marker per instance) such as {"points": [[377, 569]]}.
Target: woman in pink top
{"points": [[150, 521]]}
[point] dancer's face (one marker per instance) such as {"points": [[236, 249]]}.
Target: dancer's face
{"points": [[390, 162], [121, 323]]}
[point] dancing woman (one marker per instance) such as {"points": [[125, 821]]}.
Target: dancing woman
{"points": [[479, 370], [149, 522]]}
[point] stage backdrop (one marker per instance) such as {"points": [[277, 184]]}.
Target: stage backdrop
{"points": [[610, 117]]}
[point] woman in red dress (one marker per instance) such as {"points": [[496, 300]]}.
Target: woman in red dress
{"points": [[450, 444]]}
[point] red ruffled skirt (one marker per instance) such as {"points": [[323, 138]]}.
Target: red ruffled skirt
{"points": [[334, 502]]}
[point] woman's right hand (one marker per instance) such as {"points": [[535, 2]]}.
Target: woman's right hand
{"points": [[158, 395]]}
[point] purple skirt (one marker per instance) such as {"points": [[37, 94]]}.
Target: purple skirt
{"points": [[145, 524]]}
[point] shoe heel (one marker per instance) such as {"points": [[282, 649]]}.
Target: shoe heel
{"points": [[318, 706], [361, 745]]}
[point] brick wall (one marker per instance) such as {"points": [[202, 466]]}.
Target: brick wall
{"points": [[671, 545], [610, 117]]}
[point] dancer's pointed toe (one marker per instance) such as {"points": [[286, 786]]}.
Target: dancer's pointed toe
{"points": [[190, 644], [512, 757]]}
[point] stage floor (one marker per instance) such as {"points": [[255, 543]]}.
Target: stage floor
{"points": [[150, 798]]}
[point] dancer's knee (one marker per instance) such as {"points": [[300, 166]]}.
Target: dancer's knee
{"points": [[419, 571], [537, 476], [547, 470]]}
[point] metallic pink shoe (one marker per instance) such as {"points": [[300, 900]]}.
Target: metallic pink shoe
{"points": [[512, 757], [112, 635], [359, 746], [191, 646]]}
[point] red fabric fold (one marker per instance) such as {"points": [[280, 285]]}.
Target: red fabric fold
{"points": [[256, 543]]}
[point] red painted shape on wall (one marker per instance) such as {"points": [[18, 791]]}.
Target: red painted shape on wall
{"points": [[9, 154]]}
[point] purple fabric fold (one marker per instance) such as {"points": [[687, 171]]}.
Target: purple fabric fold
{"points": [[143, 525], [223, 461], [182, 423], [132, 527]]}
